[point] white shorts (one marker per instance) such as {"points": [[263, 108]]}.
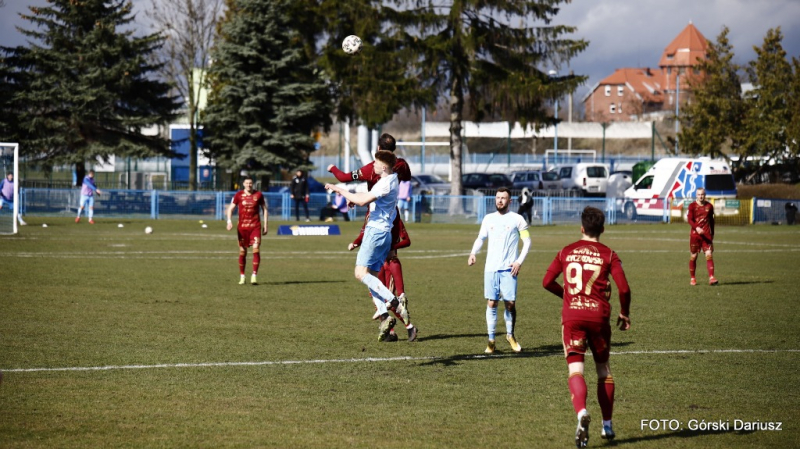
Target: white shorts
{"points": [[500, 285]]}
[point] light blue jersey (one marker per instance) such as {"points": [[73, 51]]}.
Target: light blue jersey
{"points": [[382, 216], [503, 232]]}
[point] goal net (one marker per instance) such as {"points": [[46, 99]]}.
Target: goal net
{"points": [[9, 191]]}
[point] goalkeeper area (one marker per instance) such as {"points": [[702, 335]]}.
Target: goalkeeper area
{"points": [[9, 159], [115, 338]]}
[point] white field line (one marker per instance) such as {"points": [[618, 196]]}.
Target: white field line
{"points": [[381, 359]]}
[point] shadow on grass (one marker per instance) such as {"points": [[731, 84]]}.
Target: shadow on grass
{"points": [[539, 351], [744, 283], [302, 282], [448, 336], [686, 433]]}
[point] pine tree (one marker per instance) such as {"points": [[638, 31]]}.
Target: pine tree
{"points": [[84, 88], [713, 118], [267, 96], [793, 131], [768, 112]]}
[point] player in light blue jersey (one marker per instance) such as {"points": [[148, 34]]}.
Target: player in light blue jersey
{"points": [[504, 229], [377, 240]]}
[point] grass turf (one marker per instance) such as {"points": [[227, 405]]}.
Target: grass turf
{"points": [[102, 296]]}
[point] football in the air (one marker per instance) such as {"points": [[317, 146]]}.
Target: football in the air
{"points": [[148, 230], [352, 45]]}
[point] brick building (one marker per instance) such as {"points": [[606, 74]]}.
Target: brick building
{"points": [[632, 94]]}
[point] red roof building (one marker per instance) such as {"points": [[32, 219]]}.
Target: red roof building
{"points": [[633, 94]]}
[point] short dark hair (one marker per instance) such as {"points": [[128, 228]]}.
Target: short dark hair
{"points": [[387, 157], [593, 221], [504, 189], [387, 143], [246, 178]]}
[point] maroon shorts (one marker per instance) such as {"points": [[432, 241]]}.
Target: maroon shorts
{"points": [[577, 336], [699, 243], [249, 237]]}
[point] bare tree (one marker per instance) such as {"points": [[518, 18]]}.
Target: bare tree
{"points": [[189, 27]]}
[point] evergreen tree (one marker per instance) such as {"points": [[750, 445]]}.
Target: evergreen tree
{"points": [[768, 113], [713, 118], [83, 88], [267, 97], [793, 132]]}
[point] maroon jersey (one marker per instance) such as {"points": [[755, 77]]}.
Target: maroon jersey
{"points": [[586, 266], [249, 209], [400, 169], [701, 216]]}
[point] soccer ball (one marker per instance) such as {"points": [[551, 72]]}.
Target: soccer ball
{"points": [[352, 45], [148, 230]]}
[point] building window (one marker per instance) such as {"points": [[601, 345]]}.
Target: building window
{"points": [[608, 91], [612, 108], [696, 71], [619, 108], [620, 90], [670, 56], [669, 70], [681, 70]]}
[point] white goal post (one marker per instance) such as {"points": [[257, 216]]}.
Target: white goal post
{"points": [[10, 153]]}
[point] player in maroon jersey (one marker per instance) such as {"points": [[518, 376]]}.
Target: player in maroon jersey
{"points": [[586, 265], [701, 219], [367, 173], [251, 227]]}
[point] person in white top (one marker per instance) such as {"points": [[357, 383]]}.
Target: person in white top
{"points": [[377, 241], [504, 229]]}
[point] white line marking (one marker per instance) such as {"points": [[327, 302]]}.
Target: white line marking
{"points": [[381, 359]]}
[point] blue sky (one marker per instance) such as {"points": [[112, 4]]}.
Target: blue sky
{"points": [[622, 33]]}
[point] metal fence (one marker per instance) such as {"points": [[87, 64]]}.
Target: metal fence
{"points": [[157, 204]]}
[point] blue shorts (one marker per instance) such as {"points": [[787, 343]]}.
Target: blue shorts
{"points": [[375, 247], [87, 200], [500, 285], [402, 204]]}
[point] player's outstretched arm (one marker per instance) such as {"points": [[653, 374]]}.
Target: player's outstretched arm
{"points": [[342, 176]]}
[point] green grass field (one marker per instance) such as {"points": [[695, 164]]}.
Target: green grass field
{"points": [[191, 359]]}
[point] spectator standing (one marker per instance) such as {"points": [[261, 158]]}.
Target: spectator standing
{"points": [[299, 193]]}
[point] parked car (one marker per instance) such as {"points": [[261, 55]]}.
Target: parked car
{"points": [[536, 180], [430, 184], [585, 178], [485, 181]]}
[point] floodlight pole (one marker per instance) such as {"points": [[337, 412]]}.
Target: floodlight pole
{"points": [[422, 153]]}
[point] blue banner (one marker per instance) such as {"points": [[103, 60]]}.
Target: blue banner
{"points": [[309, 230]]}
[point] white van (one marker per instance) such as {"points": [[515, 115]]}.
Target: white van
{"points": [[585, 178], [677, 179]]}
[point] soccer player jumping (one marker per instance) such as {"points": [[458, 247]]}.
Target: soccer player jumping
{"points": [[701, 218], [585, 313], [377, 240], [250, 225]]}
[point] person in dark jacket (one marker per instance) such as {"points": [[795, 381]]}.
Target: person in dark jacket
{"points": [[299, 192], [791, 213]]}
